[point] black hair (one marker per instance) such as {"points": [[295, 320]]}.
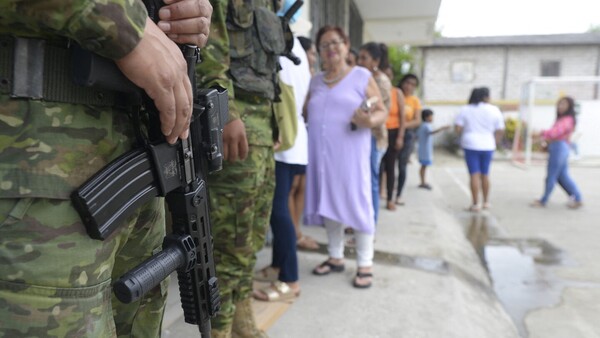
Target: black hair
{"points": [[479, 95], [305, 42], [353, 52], [407, 77], [378, 51], [425, 113], [570, 111], [328, 28]]}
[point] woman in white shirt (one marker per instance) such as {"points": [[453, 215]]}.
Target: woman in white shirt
{"points": [[479, 124]]}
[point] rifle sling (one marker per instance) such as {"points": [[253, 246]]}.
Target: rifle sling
{"points": [[40, 69]]}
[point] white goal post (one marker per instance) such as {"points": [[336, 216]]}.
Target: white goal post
{"points": [[528, 106]]}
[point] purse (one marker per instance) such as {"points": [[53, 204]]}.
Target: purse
{"points": [[286, 117]]}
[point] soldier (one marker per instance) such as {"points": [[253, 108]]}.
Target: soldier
{"points": [[54, 279], [241, 56]]}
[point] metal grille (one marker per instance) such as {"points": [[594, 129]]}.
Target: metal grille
{"points": [[343, 13], [355, 26]]}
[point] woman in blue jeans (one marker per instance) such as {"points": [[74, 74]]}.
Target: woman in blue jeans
{"points": [[373, 56], [557, 139]]}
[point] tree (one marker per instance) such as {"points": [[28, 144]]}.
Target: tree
{"points": [[594, 29], [402, 60]]}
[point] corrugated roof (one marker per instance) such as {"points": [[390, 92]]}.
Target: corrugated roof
{"points": [[520, 40]]}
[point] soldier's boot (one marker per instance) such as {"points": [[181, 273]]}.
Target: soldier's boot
{"points": [[244, 323], [224, 333]]}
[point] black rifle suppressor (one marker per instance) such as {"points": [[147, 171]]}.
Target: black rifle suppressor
{"points": [[177, 172]]}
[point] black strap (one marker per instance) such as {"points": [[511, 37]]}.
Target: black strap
{"points": [[43, 71]]}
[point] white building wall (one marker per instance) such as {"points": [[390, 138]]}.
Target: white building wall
{"points": [[523, 64], [488, 68]]}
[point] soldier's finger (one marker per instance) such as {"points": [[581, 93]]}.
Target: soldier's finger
{"points": [[233, 151], [225, 150], [165, 103], [185, 9], [191, 31], [243, 149], [184, 110]]}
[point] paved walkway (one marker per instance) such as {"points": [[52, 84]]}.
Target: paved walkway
{"points": [[429, 280]]}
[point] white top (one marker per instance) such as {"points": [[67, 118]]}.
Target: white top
{"points": [[479, 122], [299, 78]]}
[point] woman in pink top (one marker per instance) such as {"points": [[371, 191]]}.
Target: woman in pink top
{"points": [[338, 176], [557, 138]]}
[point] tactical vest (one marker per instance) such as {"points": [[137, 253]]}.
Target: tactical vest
{"points": [[256, 40]]}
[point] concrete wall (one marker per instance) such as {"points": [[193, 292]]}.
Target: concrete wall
{"points": [[505, 69]]}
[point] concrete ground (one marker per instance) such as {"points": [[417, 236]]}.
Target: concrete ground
{"points": [[429, 277]]}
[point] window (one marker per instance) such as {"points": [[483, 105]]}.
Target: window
{"points": [[550, 68], [462, 71]]}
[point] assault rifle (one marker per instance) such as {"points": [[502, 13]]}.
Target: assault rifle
{"points": [[156, 168]]}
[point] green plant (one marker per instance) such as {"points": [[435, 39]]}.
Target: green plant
{"points": [[402, 60], [511, 125]]}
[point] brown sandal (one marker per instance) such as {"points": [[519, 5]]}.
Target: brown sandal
{"points": [[307, 243]]}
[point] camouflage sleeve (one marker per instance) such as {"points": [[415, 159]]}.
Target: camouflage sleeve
{"points": [[111, 28], [214, 68]]}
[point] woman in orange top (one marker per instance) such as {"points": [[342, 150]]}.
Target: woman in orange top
{"points": [[395, 126], [412, 113]]}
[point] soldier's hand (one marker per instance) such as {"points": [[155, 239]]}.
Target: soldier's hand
{"points": [[235, 143], [186, 21], [157, 65]]}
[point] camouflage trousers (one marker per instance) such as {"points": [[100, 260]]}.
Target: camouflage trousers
{"points": [[241, 197], [55, 281]]}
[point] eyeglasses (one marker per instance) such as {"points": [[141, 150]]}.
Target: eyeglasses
{"points": [[326, 45]]}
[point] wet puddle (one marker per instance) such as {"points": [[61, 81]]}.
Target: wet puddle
{"points": [[427, 264], [522, 270]]}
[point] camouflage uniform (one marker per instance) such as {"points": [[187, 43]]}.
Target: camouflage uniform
{"points": [[241, 194], [54, 279]]}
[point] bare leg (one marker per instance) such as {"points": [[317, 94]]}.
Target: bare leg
{"points": [[299, 199], [382, 184], [296, 202], [295, 208], [474, 180], [485, 187], [422, 174]]}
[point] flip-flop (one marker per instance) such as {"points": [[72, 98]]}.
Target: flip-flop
{"points": [[361, 275], [474, 208], [332, 268], [276, 291], [537, 204]]}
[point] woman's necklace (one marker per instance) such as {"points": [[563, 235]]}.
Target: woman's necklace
{"points": [[337, 78]]}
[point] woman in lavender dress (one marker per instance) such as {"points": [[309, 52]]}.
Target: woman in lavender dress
{"points": [[338, 176]]}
